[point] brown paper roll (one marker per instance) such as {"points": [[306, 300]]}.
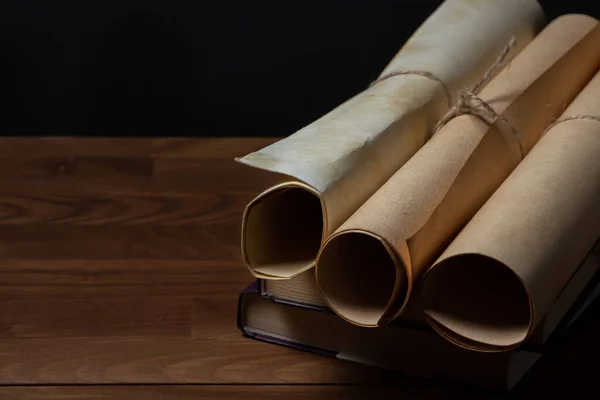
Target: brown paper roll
{"points": [[415, 215], [342, 158], [498, 278], [282, 229]]}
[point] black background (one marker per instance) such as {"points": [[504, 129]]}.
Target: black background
{"points": [[196, 68]]}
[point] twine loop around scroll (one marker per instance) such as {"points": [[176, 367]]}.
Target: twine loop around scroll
{"points": [[424, 74], [468, 103]]}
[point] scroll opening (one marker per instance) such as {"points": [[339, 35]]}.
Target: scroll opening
{"points": [[478, 303], [283, 231], [357, 277]]}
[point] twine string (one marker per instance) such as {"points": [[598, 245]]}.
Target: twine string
{"points": [[424, 74], [466, 102]]}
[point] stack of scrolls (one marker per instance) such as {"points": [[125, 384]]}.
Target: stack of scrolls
{"points": [[453, 200]]}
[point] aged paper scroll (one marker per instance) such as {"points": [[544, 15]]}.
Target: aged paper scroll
{"points": [[367, 269], [494, 283], [333, 165]]}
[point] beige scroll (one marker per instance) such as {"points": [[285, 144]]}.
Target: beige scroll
{"points": [[367, 269], [332, 166], [498, 278]]}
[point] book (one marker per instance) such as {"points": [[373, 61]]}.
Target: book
{"points": [[412, 349], [299, 290]]}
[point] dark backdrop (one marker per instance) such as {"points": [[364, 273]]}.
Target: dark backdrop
{"points": [[179, 68]]}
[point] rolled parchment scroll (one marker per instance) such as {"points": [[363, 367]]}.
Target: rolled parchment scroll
{"points": [[367, 269], [498, 278]]}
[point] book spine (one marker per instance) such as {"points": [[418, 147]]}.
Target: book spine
{"points": [[263, 293], [253, 289]]}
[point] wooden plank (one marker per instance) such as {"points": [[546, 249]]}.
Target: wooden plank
{"points": [[96, 317], [226, 148], [218, 242], [214, 317], [130, 176], [56, 174], [47, 279], [47, 242], [17, 208], [403, 390], [166, 360], [51, 165], [131, 147], [121, 316], [41, 147], [120, 302]]}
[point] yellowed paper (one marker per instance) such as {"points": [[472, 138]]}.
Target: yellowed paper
{"points": [[502, 273], [340, 160], [400, 231]]}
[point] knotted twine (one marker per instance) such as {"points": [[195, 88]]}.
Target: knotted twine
{"points": [[466, 102]]}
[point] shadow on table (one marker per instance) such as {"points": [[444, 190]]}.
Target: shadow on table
{"points": [[570, 365], [567, 369]]}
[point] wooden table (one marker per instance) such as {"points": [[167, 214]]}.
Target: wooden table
{"points": [[119, 276]]}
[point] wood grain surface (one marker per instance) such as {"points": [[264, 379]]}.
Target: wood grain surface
{"points": [[231, 392], [119, 276]]}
